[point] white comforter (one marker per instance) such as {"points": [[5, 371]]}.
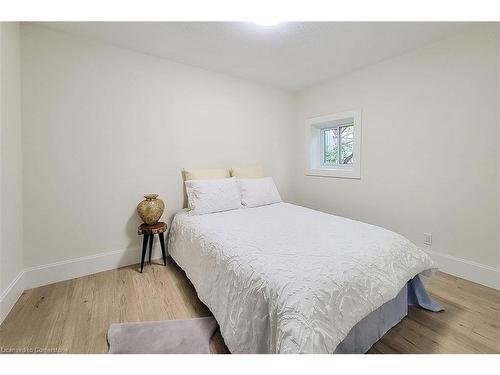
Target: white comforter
{"points": [[287, 279]]}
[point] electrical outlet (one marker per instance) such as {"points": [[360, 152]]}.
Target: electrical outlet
{"points": [[428, 239]]}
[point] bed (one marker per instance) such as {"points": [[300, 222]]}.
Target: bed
{"points": [[282, 278]]}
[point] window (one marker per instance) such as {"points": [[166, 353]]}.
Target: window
{"points": [[333, 143], [337, 144]]}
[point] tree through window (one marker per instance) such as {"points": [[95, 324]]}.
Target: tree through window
{"points": [[338, 144]]}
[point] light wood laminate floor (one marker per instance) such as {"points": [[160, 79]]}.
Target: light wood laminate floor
{"points": [[73, 316]]}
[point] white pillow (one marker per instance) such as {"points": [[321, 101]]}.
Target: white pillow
{"points": [[258, 191], [207, 196]]}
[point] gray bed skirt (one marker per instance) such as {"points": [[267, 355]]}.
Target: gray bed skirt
{"points": [[371, 329]]}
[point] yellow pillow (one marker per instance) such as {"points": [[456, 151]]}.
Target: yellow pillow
{"points": [[205, 174], [254, 171]]}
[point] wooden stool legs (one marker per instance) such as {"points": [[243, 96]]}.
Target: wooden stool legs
{"points": [[162, 243], [150, 238], [144, 247]]}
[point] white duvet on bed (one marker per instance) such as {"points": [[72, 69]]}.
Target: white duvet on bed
{"points": [[287, 279]]}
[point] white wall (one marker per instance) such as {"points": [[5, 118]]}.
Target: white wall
{"points": [[11, 203], [102, 126], [498, 127], [429, 146]]}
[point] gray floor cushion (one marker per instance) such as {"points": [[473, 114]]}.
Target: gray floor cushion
{"points": [[191, 336]]}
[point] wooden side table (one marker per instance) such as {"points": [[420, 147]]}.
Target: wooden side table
{"points": [[149, 231]]}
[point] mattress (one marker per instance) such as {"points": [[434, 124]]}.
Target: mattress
{"points": [[287, 279]]}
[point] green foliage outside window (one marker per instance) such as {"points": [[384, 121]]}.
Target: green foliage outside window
{"points": [[337, 145]]}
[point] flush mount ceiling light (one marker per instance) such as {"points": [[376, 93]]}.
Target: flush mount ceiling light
{"points": [[267, 23]]}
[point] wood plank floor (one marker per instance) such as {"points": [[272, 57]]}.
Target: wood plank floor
{"points": [[73, 316]]}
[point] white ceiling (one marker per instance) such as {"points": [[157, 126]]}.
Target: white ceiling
{"points": [[291, 55]]}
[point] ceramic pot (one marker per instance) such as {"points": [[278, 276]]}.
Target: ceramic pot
{"points": [[150, 209]]}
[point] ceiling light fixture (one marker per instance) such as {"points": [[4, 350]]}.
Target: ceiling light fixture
{"points": [[267, 23]]}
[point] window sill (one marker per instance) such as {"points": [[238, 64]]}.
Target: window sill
{"points": [[334, 172]]}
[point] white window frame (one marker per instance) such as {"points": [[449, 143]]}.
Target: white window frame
{"points": [[314, 145]]}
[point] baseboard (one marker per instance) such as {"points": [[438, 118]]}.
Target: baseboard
{"points": [[11, 294], [33, 277], [466, 269], [70, 269]]}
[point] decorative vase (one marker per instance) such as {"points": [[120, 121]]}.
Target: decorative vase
{"points": [[150, 209]]}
